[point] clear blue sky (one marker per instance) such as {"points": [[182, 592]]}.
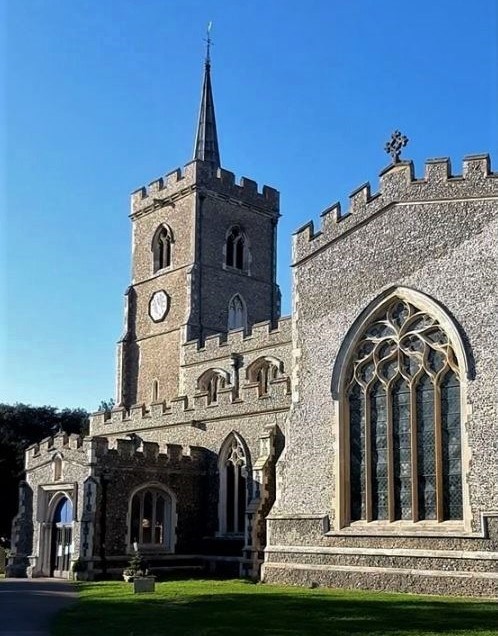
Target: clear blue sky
{"points": [[101, 97]]}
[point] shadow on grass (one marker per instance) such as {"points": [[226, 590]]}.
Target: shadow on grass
{"points": [[273, 612]]}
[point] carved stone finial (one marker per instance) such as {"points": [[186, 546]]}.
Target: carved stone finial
{"points": [[395, 144]]}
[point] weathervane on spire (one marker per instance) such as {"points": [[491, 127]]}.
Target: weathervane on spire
{"points": [[209, 43], [395, 144]]}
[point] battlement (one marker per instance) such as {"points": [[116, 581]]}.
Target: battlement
{"points": [[57, 442], [198, 175], [397, 184], [116, 450], [220, 345]]}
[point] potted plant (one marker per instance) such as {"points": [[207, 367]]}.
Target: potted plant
{"points": [[135, 568]]}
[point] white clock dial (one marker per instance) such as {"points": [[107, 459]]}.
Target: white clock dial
{"points": [[158, 306]]}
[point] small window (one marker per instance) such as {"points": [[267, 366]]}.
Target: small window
{"points": [[155, 391], [264, 371], [210, 382], [237, 314], [161, 248], [236, 249], [57, 468]]}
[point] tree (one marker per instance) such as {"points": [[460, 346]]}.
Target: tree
{"points": [[107, 405], [20, 426]]}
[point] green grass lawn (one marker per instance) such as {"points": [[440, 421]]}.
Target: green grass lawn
{"points": [[222, 608]]}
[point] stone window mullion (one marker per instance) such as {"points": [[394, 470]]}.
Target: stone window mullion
{"points": [[390, 453], [368, 458], [414, 455]]}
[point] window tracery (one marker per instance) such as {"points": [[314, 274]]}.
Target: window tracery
{"points": [[263, 371], [161, 248], [403, 408], [233, 486], [211, 382], [236, 255], [150, 518]]}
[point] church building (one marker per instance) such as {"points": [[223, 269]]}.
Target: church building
{"points": [[352, 444]]}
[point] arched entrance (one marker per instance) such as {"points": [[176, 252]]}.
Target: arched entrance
{"points": [[62, 537]]}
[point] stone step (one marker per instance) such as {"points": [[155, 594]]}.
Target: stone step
{"points": [[482, 584], [413, 559]]}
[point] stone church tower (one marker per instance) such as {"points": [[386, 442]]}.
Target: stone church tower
{"points": [[203, 262]]}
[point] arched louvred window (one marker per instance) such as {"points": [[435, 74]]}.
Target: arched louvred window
{"points": [[151, 518], [264, 371], [234, 486], [236, 249], [237, 313], [211, 382], [161, 248], [404, 421]]}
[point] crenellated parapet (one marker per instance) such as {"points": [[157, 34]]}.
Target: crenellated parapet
{"points": [[192, 410], [62, 444], [114, 452], [261, 335], [398, 185], [198, 175]]}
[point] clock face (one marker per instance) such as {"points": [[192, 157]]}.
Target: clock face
{"points": [[158, 305]]}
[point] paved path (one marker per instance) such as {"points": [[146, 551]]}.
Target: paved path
{"points": [[27, 606]]}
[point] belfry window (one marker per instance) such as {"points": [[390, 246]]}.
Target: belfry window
{"points": [[161, 248], [402, 398], [236, 246], [150, 518], [263, 371], [233, 465], [237, 313], [210, 383]]}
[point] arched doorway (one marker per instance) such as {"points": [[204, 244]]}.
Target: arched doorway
{"points": [[62, 538]]}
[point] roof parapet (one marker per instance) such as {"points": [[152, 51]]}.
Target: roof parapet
{"points": [[397, 185], [198, 174], [261, 334]]}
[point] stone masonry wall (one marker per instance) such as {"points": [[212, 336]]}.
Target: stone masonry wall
{"points": [[437, 236]]}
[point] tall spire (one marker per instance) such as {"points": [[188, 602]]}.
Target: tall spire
{"points": [[206, 141]]}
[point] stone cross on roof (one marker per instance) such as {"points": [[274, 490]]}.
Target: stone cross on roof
{"points": [[395, 144]]}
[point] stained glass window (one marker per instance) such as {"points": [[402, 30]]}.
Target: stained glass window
{"points": [[403, 393]]}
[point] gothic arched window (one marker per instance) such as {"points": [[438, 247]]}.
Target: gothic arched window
{"points": [[236, 249], [210, 382], [262, 371], [151, 518], [402, 397], [161, 248], [237, 313], [233, 467]]}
